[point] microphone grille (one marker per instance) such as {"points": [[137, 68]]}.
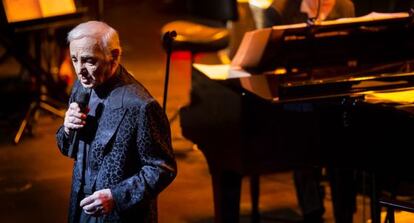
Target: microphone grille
{"points": [[83, 98]]}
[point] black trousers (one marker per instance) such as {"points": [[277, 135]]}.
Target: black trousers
{"points": [[86, 218], [310, 193]]}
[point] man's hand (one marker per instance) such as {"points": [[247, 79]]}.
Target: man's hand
{"points": [[99, 203], [74, 118]]}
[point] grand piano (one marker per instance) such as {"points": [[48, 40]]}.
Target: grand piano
{"points": [[331, 94]]}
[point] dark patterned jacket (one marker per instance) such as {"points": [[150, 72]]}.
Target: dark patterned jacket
{"points": [[131, 153]]}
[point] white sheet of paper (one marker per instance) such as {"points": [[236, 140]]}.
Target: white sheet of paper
{"points": [[220, 71]]}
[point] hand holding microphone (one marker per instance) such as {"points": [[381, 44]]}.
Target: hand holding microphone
{"points": [[75, 120]]}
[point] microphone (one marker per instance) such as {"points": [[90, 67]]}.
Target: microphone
{"points": [[167, 39], [82, 99]]}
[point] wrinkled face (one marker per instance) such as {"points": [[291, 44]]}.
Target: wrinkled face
{"points": [[89, 61]]}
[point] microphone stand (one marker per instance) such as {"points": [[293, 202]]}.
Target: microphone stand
{"points": [[168, 39]]}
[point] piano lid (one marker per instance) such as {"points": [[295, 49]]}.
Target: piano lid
{"points": [[280, 89], [343, 57], [351, 45]]}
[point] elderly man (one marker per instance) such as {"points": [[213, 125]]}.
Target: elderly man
{"points": [[120, 142]]}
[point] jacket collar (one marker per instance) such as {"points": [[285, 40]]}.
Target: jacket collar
{"points": [[111, 89]]}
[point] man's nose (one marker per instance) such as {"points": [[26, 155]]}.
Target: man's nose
{"points": [[83, 72], [81, 68]]}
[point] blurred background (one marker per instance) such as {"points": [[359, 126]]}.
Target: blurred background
{"points": [[35, 80]]}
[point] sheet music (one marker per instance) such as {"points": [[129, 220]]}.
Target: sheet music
{"points": [[24, 10], [399, 97], [373, 16], [220, 71], [251, 48], [57, 7], [21, 10]]}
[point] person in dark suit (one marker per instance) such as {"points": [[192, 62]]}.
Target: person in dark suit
{"points": [[298, 11], [124, 156], [363, 7], [307, 180]]}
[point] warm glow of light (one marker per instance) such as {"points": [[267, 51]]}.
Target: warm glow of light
{"points": [[23, 10], [57, 7], [400, 97], [181, 55], [280, 71], [264, 4]]}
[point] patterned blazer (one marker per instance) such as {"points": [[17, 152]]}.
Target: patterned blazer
{"points": [[131, 153]]}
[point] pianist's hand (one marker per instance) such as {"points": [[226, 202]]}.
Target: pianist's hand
{"points": [[74, 118]]}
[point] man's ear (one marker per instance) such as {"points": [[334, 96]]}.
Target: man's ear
{"points": [[115, 55]]}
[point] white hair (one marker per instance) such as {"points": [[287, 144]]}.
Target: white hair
{"points": [[107, 37]]}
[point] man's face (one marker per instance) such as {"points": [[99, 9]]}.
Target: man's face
{"points": [[89, 61]]}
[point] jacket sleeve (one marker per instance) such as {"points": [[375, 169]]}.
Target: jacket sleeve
{"points": [[62, 139], [153, 141]]}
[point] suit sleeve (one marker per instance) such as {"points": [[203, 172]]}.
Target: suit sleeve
{"points": [[62, 139], [153, 142]]}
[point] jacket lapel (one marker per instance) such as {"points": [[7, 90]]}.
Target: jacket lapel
{"points": [[109, 122], [108, 126]]}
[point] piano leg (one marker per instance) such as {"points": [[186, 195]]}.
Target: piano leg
{"points": [[375, 206], [226, 189], [343, 190], [310, 193], [255, 193]]}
